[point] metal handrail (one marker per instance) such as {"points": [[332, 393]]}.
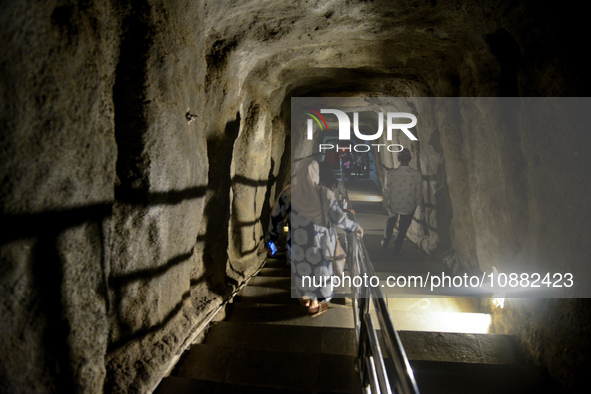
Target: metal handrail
{"points": [[374, 374]]}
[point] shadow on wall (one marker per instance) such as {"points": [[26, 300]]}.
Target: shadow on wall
{"points": [[118, 283], [238, 225], [47, 267], [48, 264], [217, 207], [132, 191], [266, 210]]}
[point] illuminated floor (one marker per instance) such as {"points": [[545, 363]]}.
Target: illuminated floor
{"points": [[421, 311]]}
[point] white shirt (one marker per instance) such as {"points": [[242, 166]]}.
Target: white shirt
{"points": [[403, 190]]}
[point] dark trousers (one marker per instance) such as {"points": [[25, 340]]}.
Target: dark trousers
{"points": [[403, 225]]}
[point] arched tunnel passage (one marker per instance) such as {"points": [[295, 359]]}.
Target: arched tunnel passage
{"points": [[111, 194]]}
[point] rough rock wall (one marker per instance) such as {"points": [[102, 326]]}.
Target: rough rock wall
{"points": [[119, 126], [518, 179], [158, 285], [535, 217], [58, 174]]}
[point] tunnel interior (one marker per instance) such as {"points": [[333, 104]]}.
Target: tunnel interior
{"points": [[144, 143]]}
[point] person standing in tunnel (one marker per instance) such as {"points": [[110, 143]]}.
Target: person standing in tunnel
{"points": [[402, 192], [314, 213]]}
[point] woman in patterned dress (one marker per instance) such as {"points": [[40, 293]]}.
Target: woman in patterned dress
{"points": [[314, 213]]}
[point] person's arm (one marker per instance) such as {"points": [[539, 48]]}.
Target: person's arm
{"points": [[339, 218], [346, 203]]}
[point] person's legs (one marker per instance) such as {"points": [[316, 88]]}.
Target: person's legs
{"points": [[319, 305], [390, 223], [403, 225]]}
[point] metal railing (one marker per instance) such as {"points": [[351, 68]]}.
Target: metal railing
{"points": [[383, 364]]}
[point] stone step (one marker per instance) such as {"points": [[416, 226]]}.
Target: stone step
{"points": [[209, 367], [425, 346], [455, 322], [272, 369], [285, 282], [270, 295], [337, 315], [273, 295], [452, 377], [270, 281], [177, 385], [276, 263], [280, 255], [277, 272], [299, 339], [465, 348]]}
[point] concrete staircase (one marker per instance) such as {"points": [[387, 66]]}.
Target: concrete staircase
{"points": [[268, 344]]}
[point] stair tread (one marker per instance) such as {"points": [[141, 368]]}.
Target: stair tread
{"points": [[279, 272], [458, 322], [306, 339], [278, 282], [294, 314], [178, 385], [460, 347], [453, 377], [267, 339], [268, 368], [276, 263], [273, 295], [426, 346]]}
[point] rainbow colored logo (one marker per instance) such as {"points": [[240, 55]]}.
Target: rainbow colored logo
{"points": [[316, 118]]}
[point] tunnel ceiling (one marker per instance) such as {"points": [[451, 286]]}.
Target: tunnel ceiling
{"points": [[420, 48]]}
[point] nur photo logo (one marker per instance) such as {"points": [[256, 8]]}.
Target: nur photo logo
{"points": [[394, 121]]}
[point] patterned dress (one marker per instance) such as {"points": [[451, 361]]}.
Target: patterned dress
{"points": [[313, 245], [403, 190]]}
